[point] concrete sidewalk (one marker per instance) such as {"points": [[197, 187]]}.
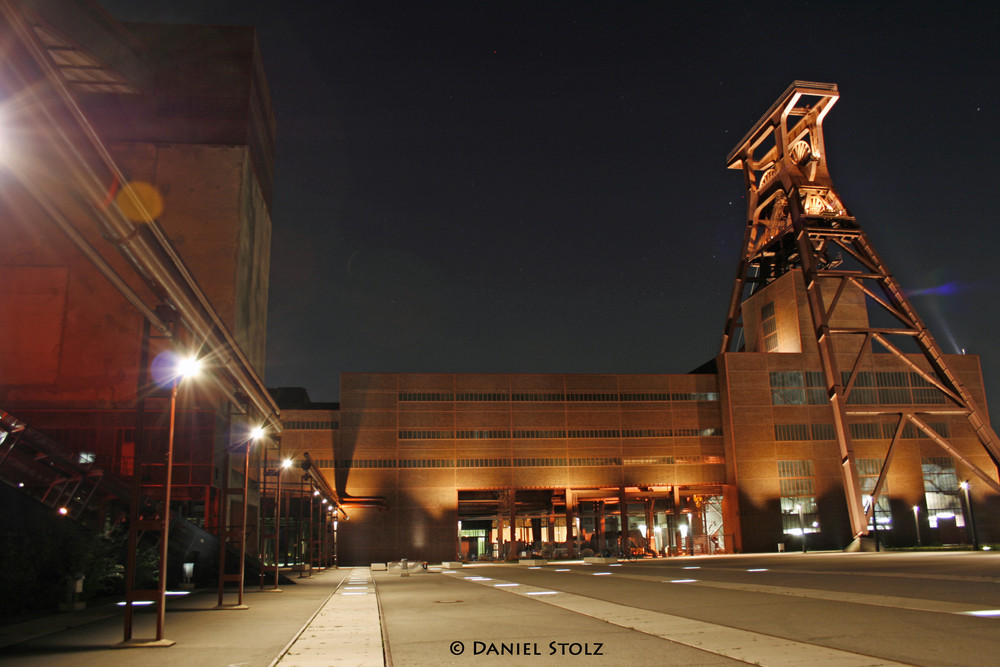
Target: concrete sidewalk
{"points": [[346, 617], [347, 630], [204, 636]]}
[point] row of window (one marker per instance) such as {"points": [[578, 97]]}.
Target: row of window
{"points": [[298, 425], [798, 493], [870, 387], [501, 434], [603, 397], [886, 430], [783, 432], [515, 462], [879, 379], [769, 327], [799, 513], [859, 431]]}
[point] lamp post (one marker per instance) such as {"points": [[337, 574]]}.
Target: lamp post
{"points": [[281, 465], [874, 507], [187, 367], [335, 518], [802, 526], [285, 464], [972, 517], [227, 536], [255, 434], [916, 522], [184, 368]]}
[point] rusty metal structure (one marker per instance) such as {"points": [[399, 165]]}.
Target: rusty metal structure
{"points": [[797, 221]]}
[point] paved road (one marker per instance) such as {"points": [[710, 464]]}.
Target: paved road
{"points": [[788, 609]]}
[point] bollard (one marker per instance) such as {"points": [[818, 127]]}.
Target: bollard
{"points": [[405, 568]]}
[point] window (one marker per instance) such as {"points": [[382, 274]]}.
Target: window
{"points": [[536, 463], [799, 513], [537, 433], [425, 396], [941, 491], [868, 472], [593, 397], [425, 435], [484, 434], [488, 396], [538, 397], [892, 387], [595, 462], [695, 396], [645, 397], [648, 460], [911, 431], [769, 327], [595, 433], [798, 388], [886, 430], [784, 432], [297, 425], [788, 388], [647, 432]]}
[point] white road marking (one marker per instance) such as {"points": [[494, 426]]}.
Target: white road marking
{"points": [[751, 647]]}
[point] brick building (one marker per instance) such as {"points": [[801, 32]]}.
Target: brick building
{"points": [[740, 455], [135, 199]]}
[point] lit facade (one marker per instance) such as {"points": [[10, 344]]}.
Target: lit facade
{"points": [[739, 457]]}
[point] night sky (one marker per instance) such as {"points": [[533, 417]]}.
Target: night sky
{"points": [[541, 187]]}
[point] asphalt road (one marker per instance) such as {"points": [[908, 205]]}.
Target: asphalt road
{"points": [[788, 609]]}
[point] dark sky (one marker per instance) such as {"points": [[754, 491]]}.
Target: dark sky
{"points": [[541, 187]]}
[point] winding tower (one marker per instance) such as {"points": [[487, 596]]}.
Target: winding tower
{"points": [[797, 223]]}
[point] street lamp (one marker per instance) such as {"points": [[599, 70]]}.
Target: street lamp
{"points": [[256, 433], [187, 367], [226, 534], [184, 368], [335, 520], [916, 522], [972, 516], [283, 465], [802, 526]]}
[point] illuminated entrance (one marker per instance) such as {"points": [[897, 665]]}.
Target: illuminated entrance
{"points": [[625, 522]]}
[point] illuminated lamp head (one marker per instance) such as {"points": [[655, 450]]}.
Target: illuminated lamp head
{"points": [[170, 368], [188, 367]]}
